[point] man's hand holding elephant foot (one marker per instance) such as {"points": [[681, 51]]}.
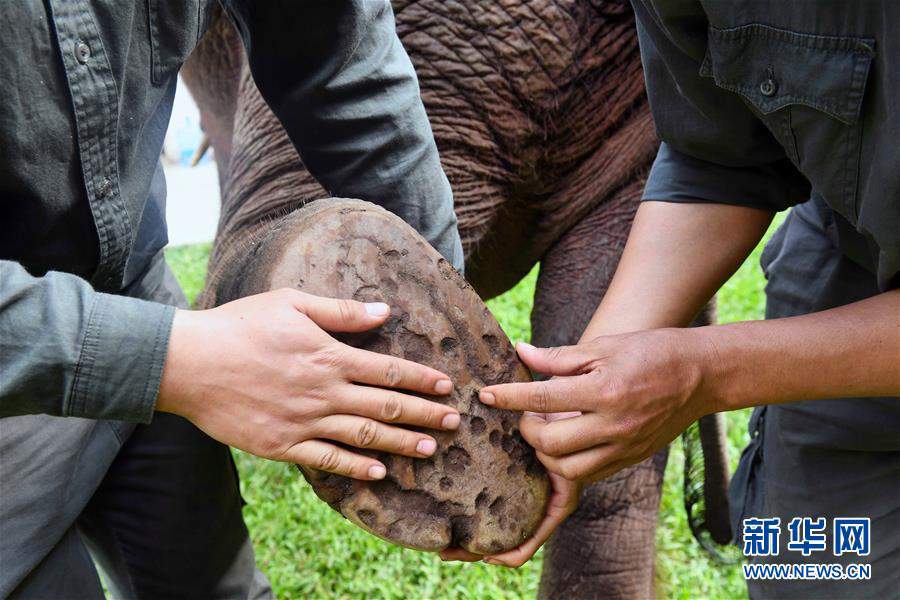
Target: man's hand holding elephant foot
{"points": [[263, 375], [636, 392], [613, 402]]}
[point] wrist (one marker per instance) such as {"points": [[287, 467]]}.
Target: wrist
{"points": [[172, 386], [717, 375]]}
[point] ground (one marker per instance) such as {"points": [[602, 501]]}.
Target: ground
{"points": [[307, 550]]}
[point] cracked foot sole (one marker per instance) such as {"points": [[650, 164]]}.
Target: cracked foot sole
{"points": [[483, 490]]}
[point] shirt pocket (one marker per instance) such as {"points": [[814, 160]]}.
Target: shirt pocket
{"points": [[175, 30], [808, 90]]}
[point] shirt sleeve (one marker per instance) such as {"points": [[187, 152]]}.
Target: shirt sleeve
{"points": [[341, 83], [713, 148], [66, 350]]}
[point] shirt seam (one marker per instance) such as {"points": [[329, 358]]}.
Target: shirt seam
{"points": [[84, 369], [813, 41], [159, 349]]}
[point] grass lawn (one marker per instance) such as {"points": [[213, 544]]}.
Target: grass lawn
{"points": [[308, 550]]}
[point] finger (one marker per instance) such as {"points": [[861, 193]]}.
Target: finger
{"points": [[581, 465], [561, 437], [393, 407], [557, 416], [562, 504], [517, 557], [559, 360], [562, 415], [340, 314], [372, 435], [555, 395], [382, 370], [327, 457], [459, 554]]}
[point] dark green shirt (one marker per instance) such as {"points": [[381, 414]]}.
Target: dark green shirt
{"points": [[87, 93], [770, 103]]}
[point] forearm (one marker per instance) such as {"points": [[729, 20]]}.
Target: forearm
{"points": [[849, 351], [676, 258]]}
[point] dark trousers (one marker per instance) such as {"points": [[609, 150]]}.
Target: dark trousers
{"points": [[157, 506], [823, 458]]}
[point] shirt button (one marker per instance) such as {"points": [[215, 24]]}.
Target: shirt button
{"points": [[103, 187], [768, 87], [82, 52]]}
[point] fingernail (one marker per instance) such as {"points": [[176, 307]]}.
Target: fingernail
{"points": [[377, 472], [487, 398], [443, 387], [524, 346], [450, 421], [426, 447], [377, 309]]}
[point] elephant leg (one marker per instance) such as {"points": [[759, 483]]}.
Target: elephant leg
{"points": [[607, 547], [212, 74]]}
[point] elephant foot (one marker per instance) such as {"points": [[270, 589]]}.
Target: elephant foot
{"points": [[483, 489]]}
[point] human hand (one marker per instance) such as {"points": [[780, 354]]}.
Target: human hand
{"points": [[637, 392], [261, 374], [563, 501]]}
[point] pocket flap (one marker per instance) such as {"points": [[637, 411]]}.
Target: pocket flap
{"points": [[773, 68]]}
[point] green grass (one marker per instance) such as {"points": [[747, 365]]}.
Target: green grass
{"points": [[189, 266], [308, 550]]}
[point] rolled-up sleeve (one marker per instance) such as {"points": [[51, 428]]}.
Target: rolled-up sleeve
{"points": [[66, 350], [341, 83], [713, 148], [679, 177]]}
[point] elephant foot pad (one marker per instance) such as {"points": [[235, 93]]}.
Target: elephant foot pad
{"points": [[483, 489]]}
